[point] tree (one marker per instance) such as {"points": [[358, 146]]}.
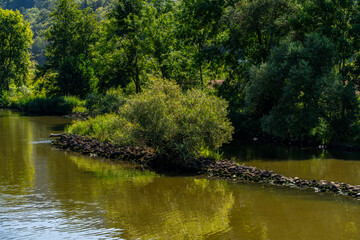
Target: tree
{"points": [[39, 21], [161, 33], [38, 50], [198, 28], [123, 49], [15, 40], [167, 55], [69, 53], [339, 21], [17, 4], [297, 94], [255, 27]]}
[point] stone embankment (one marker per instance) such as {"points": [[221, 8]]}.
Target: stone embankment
{"points": [[230, 170], [225, 169], [94, 147]]}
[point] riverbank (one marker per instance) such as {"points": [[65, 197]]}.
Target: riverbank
{"points": [[225, 169], [41, 105]]}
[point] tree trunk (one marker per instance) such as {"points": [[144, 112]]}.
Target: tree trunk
{"points": [[137, 77], [201, 75], [56, 135]]}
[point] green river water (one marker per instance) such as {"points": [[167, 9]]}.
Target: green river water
{"points": [[47, 193]]}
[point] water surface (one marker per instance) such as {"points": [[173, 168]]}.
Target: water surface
{"points": [[305, 163], [47, 193]]}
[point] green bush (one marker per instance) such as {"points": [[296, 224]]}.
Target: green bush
{"points": [[4, 99], [97, 103], [107, 128], [93, 102], [180, 126]]}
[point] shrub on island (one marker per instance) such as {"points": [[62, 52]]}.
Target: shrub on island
{"points": [[178, 125]]}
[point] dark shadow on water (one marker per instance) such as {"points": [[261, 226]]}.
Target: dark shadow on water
{"points": [[345, 155], [270, 152], [58, 127]]}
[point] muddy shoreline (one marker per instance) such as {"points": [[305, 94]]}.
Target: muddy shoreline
{"points": [[225, 169]]}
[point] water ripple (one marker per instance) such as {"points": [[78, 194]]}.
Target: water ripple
{"points": [[41, 141]]}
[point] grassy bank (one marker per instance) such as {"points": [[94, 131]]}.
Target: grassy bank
{"points": [[45, 106], [94, 104]]}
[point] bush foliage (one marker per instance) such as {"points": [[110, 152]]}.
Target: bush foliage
{"points": [[178, 125], [97, 103]]}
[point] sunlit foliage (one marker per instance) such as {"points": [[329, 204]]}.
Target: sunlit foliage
{"points": [[178, 125], [15, 40]]}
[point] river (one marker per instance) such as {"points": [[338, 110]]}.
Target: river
{"points": [[48, 193]]}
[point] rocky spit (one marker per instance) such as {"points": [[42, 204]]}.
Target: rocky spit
{"points": [[230, 170], [93, 147], [224, 169]]}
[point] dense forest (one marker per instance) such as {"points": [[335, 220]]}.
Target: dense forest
{"points": [[288, 69], [36, 12]]}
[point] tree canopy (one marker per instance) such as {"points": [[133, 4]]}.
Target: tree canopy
{"points": [[71, 38], [289, 69], [15, 41]]}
